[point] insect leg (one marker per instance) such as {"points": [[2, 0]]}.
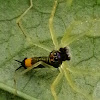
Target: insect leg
{"points": [[53, 36], [76, 71], [34, 66], [17, 75], [70, 37], [21, 16], [72, 84], [32, 41], [54, 84]]}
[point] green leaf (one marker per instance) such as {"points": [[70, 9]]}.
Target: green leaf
{"points": [[84, 66]]}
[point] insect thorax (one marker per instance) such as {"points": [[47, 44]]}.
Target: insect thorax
{"points": [[57, 57]]}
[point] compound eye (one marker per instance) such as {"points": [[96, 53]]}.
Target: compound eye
{"points": [[56, 59], [55, 54]]}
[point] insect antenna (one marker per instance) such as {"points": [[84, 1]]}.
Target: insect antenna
{"points": [[18, 68], [18, 61]]}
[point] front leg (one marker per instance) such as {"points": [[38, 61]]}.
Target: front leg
{"points": [[52, 32], [54, 84]]}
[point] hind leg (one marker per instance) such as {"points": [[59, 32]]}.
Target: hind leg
{"points": [[32, 41], [17, 75], [72, 84], [22, 15]]}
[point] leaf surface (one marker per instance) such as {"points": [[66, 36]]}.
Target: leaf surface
{"points": [[85, 50]]}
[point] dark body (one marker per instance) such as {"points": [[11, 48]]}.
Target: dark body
{"points": [[55, 58]]}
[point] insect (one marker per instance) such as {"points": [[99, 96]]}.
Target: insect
{"points": [[58, 57], [55, 59]]}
